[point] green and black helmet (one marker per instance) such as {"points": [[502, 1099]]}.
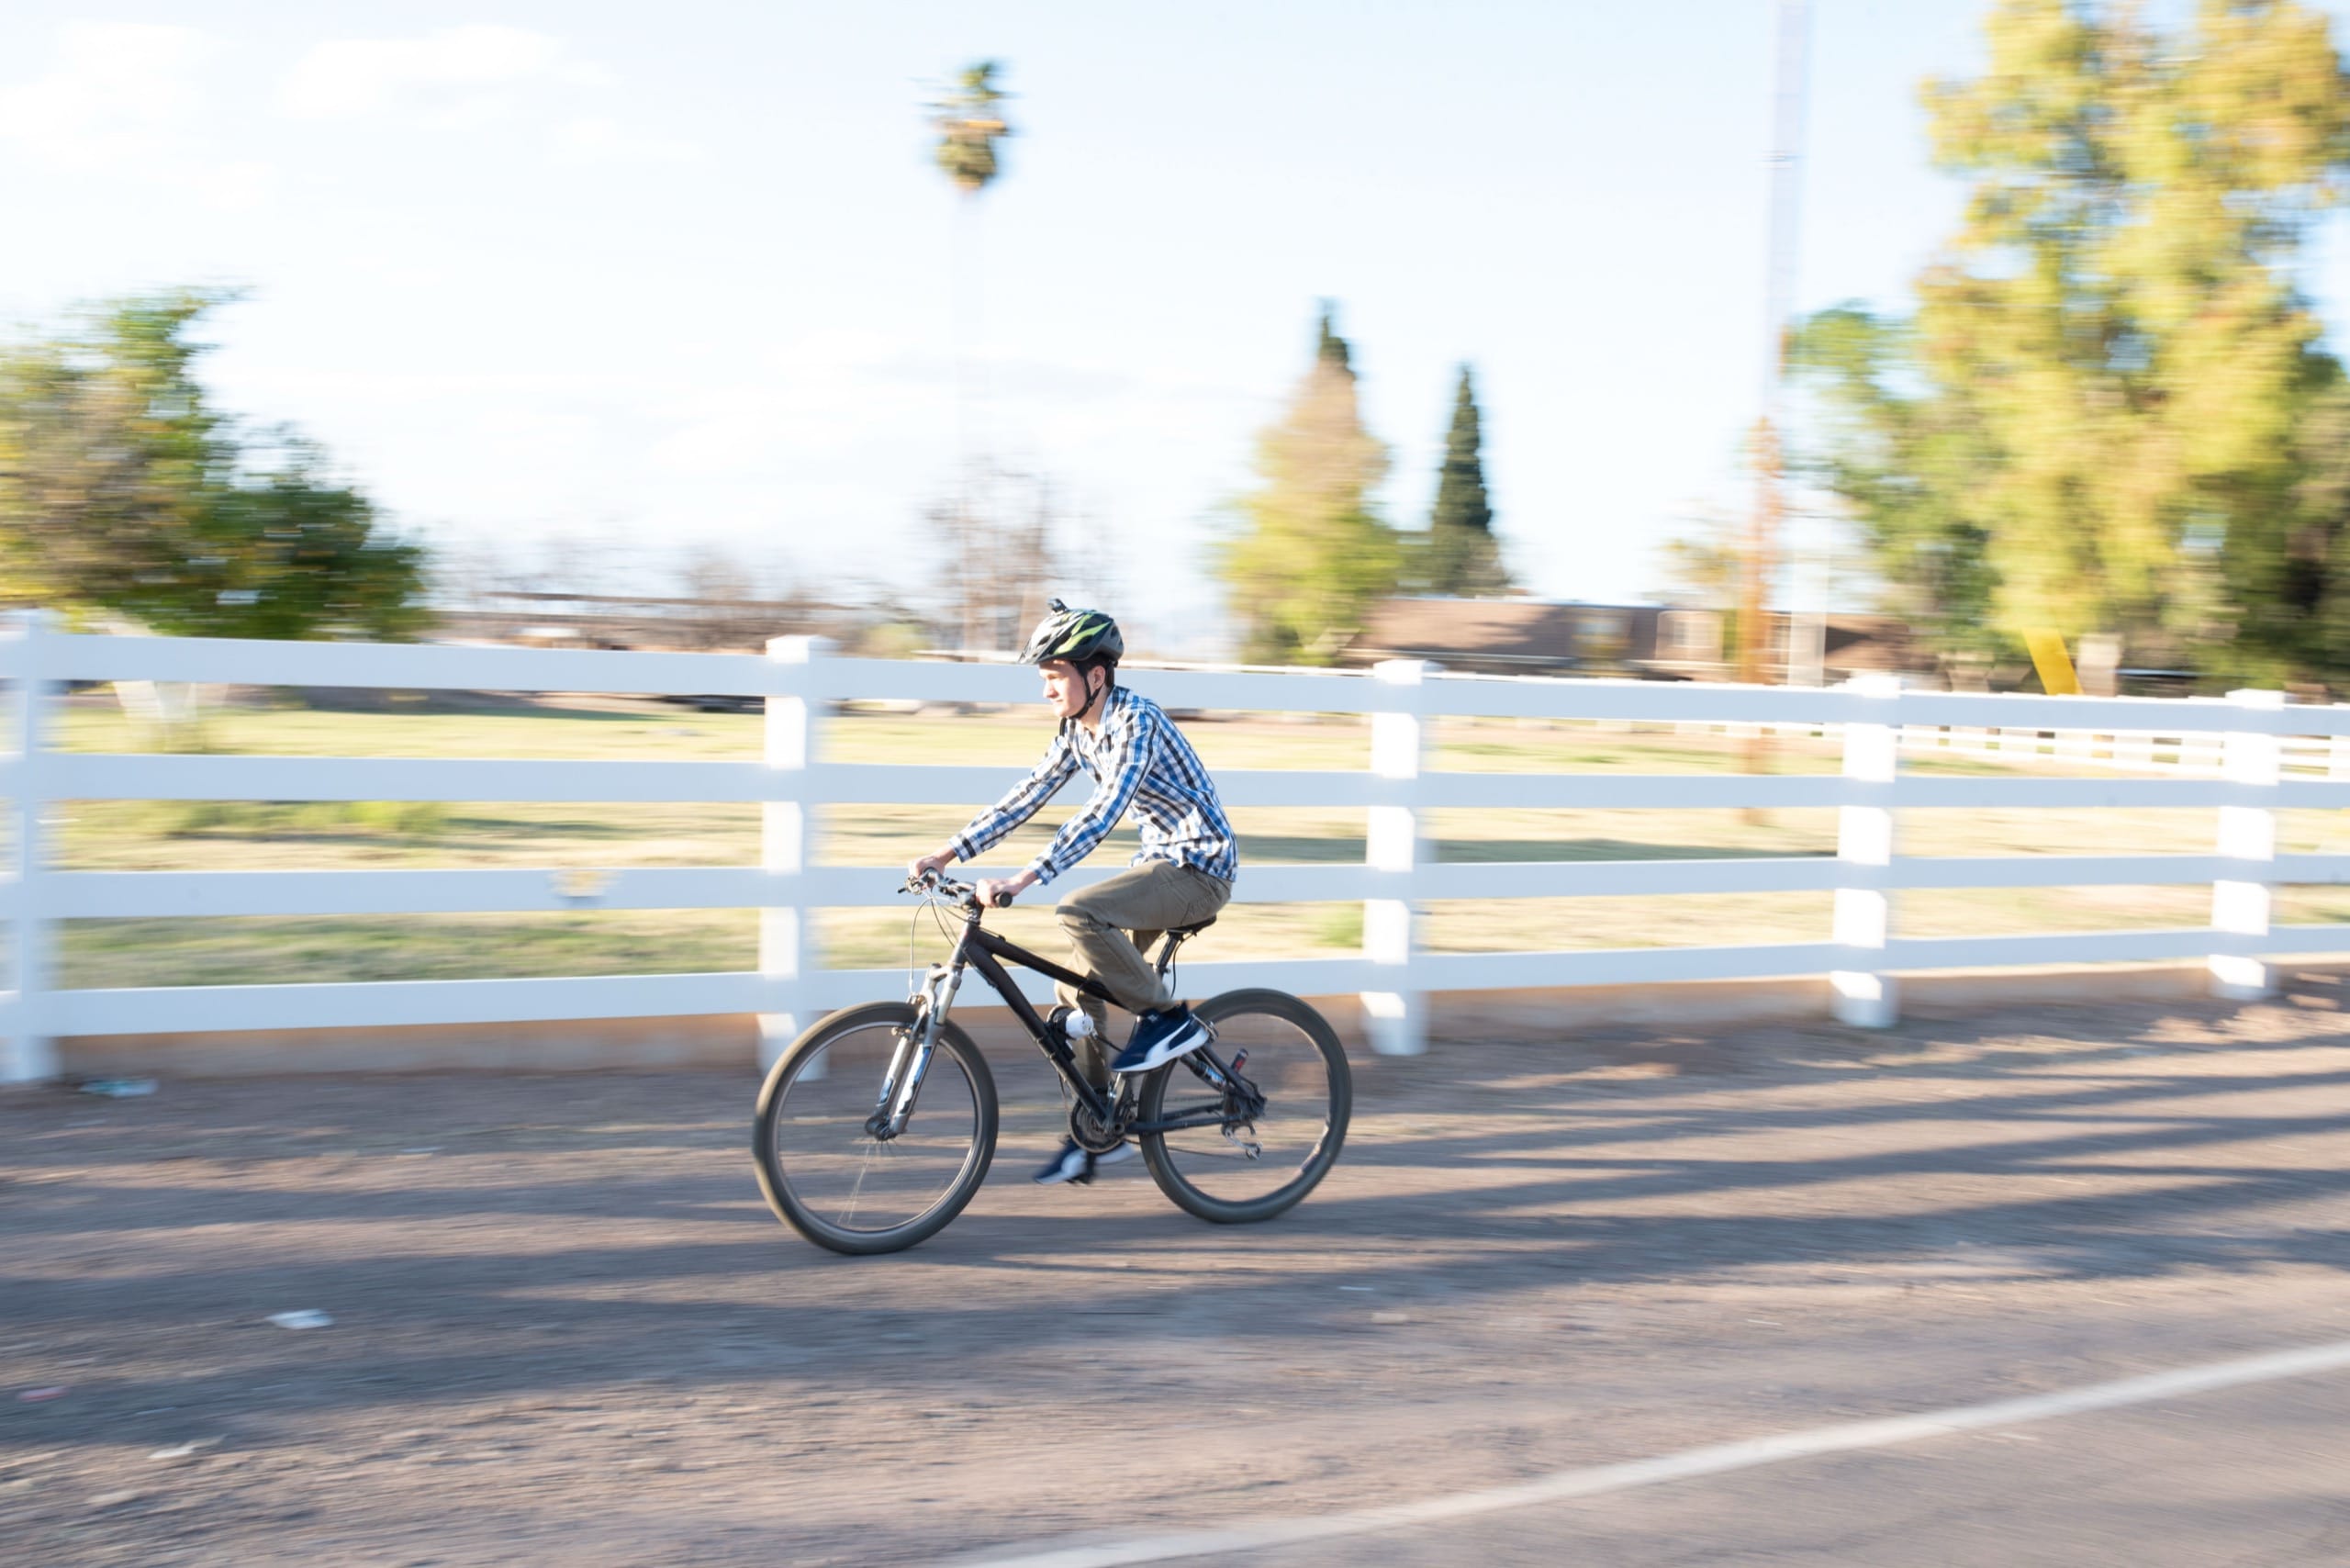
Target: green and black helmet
{"points": [[1080, 636]]}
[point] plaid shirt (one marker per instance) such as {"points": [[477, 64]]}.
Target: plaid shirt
{"points": [[1136, 758]]}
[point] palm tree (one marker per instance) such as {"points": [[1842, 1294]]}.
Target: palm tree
{"points": [[969, 117]]}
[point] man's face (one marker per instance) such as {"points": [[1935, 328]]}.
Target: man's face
{"points": [[1065, 691]]}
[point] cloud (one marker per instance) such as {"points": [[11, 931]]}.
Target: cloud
{"points": [[123, 100], [115, 98], [456, 75], [597, 139], [240, 187]]}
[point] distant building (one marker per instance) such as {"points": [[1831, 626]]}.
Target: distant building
{"points": [[1531, 636], [621, 621]]}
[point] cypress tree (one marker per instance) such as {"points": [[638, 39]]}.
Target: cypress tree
{"points": [[1459, 557], [1460, 485]]}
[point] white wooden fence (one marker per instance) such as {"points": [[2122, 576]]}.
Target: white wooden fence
{"points": [[800, 683]]}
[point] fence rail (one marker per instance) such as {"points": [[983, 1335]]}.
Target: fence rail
{"points": [[2242, 758]]}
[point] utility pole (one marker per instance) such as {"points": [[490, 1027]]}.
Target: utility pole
{"points": [[969, 117], [1786, 190]]}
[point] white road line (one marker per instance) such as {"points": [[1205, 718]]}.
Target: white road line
{"points": [[1713, 1459]]}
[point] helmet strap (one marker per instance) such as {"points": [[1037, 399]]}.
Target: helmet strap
{"points": [[1085, 673]]}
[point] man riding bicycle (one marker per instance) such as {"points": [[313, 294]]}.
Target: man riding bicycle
{"points": [[1181, 876]]}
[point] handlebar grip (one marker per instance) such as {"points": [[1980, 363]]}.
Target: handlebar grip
{"points": [[1001, 901]]}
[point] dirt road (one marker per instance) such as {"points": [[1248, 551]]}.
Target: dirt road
{"points": [[565, 1330]]}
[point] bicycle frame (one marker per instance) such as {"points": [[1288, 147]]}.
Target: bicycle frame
{"points": [[981, 949]]}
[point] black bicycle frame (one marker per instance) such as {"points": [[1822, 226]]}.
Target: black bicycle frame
{"points": [[983, 950]]}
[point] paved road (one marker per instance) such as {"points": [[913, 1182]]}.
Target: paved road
{"points": [[565, 1330]]}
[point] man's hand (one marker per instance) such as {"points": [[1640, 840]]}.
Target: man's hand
{"points": [[929, 865], [1009, 888]]}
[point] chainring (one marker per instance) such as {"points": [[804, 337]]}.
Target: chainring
{"points": [[1088, 1132]]}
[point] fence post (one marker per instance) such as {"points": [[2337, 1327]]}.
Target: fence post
{"points": [[1397, 1017], [1865, 997], [2247, 833], [787, 831], [27, 1055]]}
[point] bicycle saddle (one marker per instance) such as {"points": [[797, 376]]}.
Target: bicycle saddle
{"points": [[1192, 930]]}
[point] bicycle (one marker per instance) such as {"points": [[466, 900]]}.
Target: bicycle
{"points": [[863, 1170]]}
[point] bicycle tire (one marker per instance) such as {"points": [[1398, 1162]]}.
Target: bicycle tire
{"points": [[791, 1070], [1228, 1013]]}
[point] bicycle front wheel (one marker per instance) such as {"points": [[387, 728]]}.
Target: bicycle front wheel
{"points": [[1232, 1168], [829, 1176]]}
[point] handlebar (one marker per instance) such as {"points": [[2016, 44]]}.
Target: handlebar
{"points": [[964, 893]]}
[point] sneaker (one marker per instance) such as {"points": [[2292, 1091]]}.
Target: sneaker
{"points": [[1073, 1164], [1160, 1038]]}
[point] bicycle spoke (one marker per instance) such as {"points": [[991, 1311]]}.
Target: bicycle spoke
{"points": [[1254, 1142], [840, 1171], [847, 1217]]}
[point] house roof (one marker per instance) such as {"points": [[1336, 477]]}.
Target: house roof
{"points": [[1503, 634], [1502, 631]]}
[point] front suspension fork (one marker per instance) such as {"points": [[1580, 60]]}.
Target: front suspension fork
{"points": [[910, 1063]]}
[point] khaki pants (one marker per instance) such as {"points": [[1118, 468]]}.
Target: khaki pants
{"points": [[1148, 901]]}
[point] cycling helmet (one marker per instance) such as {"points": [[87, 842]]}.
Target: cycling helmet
{"points": [[1077, 635]]}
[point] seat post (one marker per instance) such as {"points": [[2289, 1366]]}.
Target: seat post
{"points": [[1176, 937], [1167, 947]]}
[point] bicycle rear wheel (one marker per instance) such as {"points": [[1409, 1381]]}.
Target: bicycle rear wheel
{"points": [[1239, 1170], [830, 1178]]}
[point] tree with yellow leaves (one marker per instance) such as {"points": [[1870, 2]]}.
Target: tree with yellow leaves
{"points": [[1312, 552], [2100, 416]]}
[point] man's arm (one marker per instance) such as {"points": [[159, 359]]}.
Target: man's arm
{"points": [[1021, 802], [1081, 835]]}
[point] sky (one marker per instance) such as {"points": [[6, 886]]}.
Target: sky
{"points": [[686, 276]]}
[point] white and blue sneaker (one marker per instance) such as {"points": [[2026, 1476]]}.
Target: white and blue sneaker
{"points": [[1074, 1164], [1160, 1036]]}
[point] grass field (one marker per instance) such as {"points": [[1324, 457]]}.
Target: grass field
{"points": [[135, 835]]}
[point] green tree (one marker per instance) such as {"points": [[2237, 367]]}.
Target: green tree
{"points": [[1903, 460], [123, 492], [1459, 555], [2097, 419], [1702, 565], [1312, 553]]}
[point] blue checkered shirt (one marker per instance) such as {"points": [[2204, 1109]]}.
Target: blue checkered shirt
{"points": [[1136, 758]]}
